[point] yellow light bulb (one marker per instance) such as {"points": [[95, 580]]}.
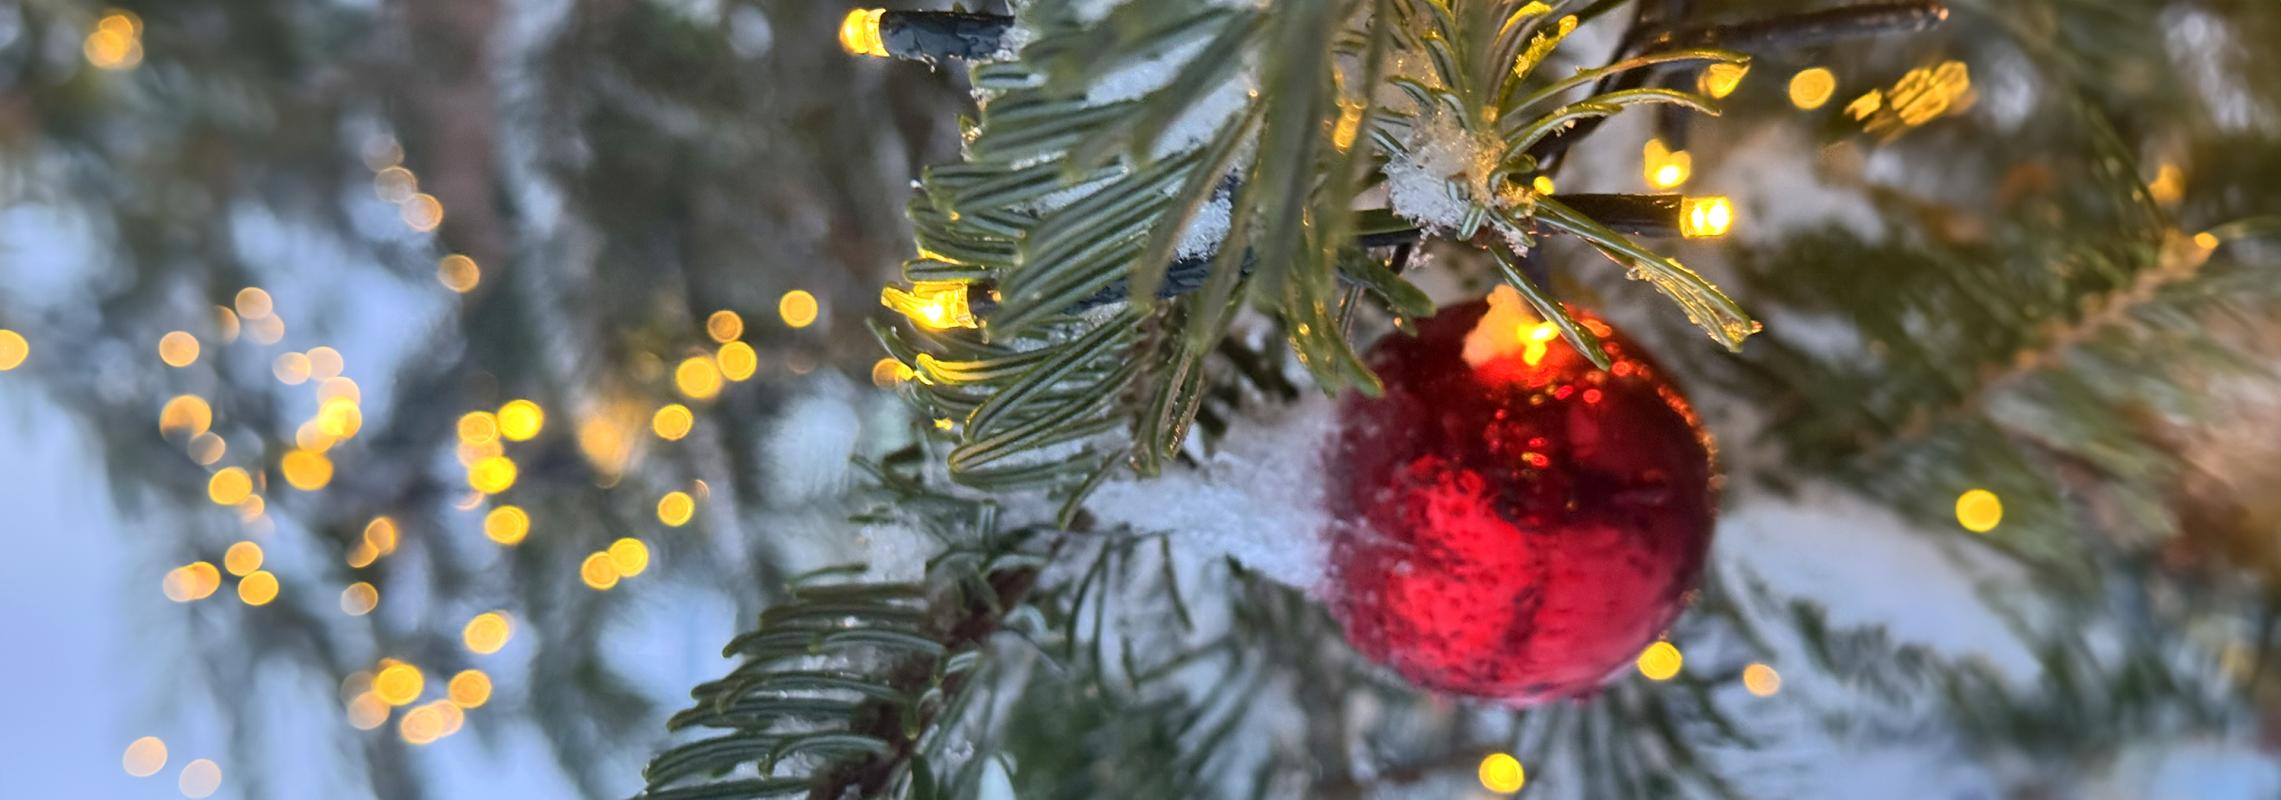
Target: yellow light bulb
{"points": [[487, 632], [672, 422], [1501, 773], [398, 683], [506, 525], [1812, 87], [229, 487], [178, 349], [675, 509], [519, 420], [598, 572], [258, 588], [1705, 217], [932, 304], [1660, 661], [859, 33], [1761, 680], [628, 557], [1979, 510], [724, 326], [798, 308]]}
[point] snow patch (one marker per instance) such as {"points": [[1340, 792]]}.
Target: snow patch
{"points": [[1204, 232], [1441, 173], [1258, 500], [809, 447]]}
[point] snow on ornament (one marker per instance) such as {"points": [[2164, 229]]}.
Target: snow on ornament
{"points": [[1510, 522]]}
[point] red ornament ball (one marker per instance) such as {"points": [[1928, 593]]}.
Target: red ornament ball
{"points": [[1513, 523]]}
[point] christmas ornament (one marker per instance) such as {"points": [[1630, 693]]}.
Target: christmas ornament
{"points": [[1513, 523]]}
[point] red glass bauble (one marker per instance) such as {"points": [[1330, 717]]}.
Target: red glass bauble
{"points": [[1511, 522]]}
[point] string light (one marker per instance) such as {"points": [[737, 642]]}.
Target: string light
{"points": [[1501, 773], [1660, 661], [458, 273], [145, 757], [1665, 168], [1979, 510], [932, 304], [672, 421], [242, 558], [724, 326], [1811, 88], [798, 308], [887, 372], [737, 361], [13, 349], [519, 420], [1705, 217], [859, 33], [1720, 79], [178, 349], [486, 633], [506, 525], [675, 509], [359, 599], [1761, 680]]}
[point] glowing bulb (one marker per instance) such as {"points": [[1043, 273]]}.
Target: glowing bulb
{"points": [[506, 525], [672, 422], [1812, 87], [1979, 510], [887, 372], [242, 558], [469, 689], [186, 415], [1665, 168], [1705, 217], [478, 427], [859, 33], [398, 683], [698, 378], [1660, 661], [178, 349], [305, 470], [13, 349], [598, 573], [519, 420], [486, 633], [492, 475], [932, 304], [1720, 80], [798, 308], [1501, 773], [253, 303], [1761, 680], [229, 487], [458, 273], [737, 361]]}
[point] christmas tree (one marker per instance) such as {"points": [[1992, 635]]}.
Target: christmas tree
{"points": [[1178, 398]]}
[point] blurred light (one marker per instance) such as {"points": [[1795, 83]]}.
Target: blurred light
{"points": [[250, 509], [519, 420], [206, 448], [200, 779], [194, 581], [697, 378], [253, 303], [943, 424], [331, 389], [366, 712], [492, 475], [724, 326], [382, 151], [226, 322], [1811, 88], [292, 369], [1719, 80], [675, 509], [339, 417], [267, 330], [178, 349], [458, 273], [145, 756], [469, 689], [672, 422], [116, 42], [1868, 103], [242, 558], [738, 361], [478, 427], [487, 632], [506, 525], [700, 489], [1979, 510], [887, 372], [380, 535], [325, 363], [13, 349], [598, 573], [629, 557], [1663, 167], [357, 683], [359, 599], [185, 414], [1923, 94], [603, 441], [1542, 184], [2206, 240], [1501, 773], [931, 304], [798, 308], [2168, 186], [1349, 125], [451, 715], [229, 486], [421, 212], [258, 588], [305, 470], [398, 683], [362, 555], [395, 184], [859, 33], [1761, 680], [421, 725], [1705, 217], [1660, 661]]}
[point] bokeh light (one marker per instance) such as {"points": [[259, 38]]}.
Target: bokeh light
{"points": [[1501, 773], [381, 535], [506, 525], [229, 487], [458, 273], [629, 556], [359, 599], [1761, 680], [178, 349], [487, 632], [325, 363], [366, 712], [14, 348], [1811, 87], [200, 779], [185, 415], [887, 372], [492, 475], [398, 683], [798, 308], [737, 361], [291, 369], [242, 558], [253, 303], [598, 572], [1660, 661], [145, 756], [724, 326], [258, 588], [207, 448], [1979, 510], [672, 421], [697, 378], [519, 420], [469, 689], [305, 470], [478, 427], [675, 509], [421, 212]]}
